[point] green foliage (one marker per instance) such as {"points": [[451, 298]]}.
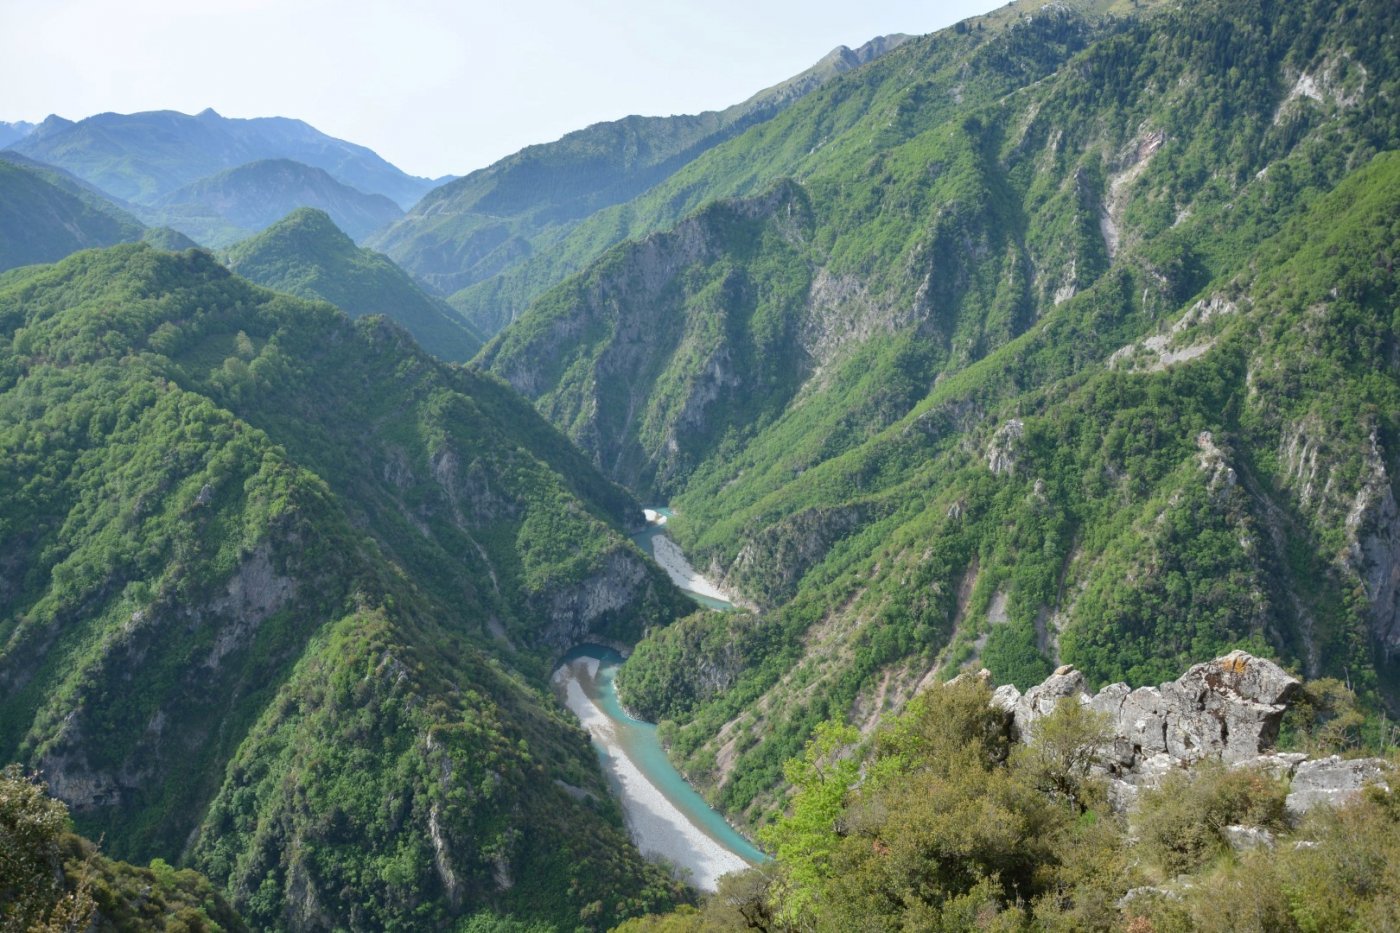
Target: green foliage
{"points": [[1182, 822], [306, 254], [306, 582], [1343, 877], [1064, 747], [1325, 720], [916, 831], [52, 880], [806, 839]]}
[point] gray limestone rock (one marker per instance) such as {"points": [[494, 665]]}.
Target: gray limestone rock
{"points": [[1229, 708], [1334, 781], [1244, 838], [1279, 765]]}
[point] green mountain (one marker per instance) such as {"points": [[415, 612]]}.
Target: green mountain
{"points": [[279, 597], [225, 208], [141, 157], [168, 239], [306, 254], [1054, 337], [45, 216], [483, 225], [923, 82]]}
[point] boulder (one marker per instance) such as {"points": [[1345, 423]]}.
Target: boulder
{"points": [[1229, 708], [1244, 838], [1334, 781]]}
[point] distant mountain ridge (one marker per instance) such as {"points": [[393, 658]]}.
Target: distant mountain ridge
{"points": [[307, 255], [12, 132], [236, 203], [479, 226], [142, 157]]}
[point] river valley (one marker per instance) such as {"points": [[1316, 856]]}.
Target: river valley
{"points": [[666, 817]]}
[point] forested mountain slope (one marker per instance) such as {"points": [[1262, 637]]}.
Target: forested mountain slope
{"points": [[912, 87], [1070, 339], [43, 217], [234, 204], [279, 595], [307, 255], [484, 225]]}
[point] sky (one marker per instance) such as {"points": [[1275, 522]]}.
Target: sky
{"points": [[434, 86]]}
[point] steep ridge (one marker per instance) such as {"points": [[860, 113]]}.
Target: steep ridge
{"points": [[855, 117], [1034, 380], [141, 157], [280, 594], [227, 207], [487, 223], [307, 255], [44, 217]]}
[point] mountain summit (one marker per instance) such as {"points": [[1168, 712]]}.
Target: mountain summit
{"points": [[141, 157], [306, 254]]}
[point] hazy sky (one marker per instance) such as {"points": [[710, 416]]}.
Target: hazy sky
{"points": [[435, 86]]}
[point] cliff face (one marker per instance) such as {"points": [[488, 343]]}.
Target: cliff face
{"points": [[671, 345]]}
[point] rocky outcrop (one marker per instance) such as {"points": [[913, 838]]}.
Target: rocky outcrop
{"points": [[1229, 709], [1373, 553], [1225, 710], [1002, 452], [575, 614], [1332, 781]]}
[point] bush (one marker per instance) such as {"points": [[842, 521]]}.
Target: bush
{"points": [[1181, 824]]}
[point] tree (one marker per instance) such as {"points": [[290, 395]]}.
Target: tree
{"points": [[1065, 746], [33, 895]]}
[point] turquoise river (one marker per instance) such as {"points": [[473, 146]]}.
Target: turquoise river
{"points": [[665, 815]]}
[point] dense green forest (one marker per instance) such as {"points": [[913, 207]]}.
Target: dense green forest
{"points": [[1056, 338], [280, 597], [1068, 335], [307, 255]]}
